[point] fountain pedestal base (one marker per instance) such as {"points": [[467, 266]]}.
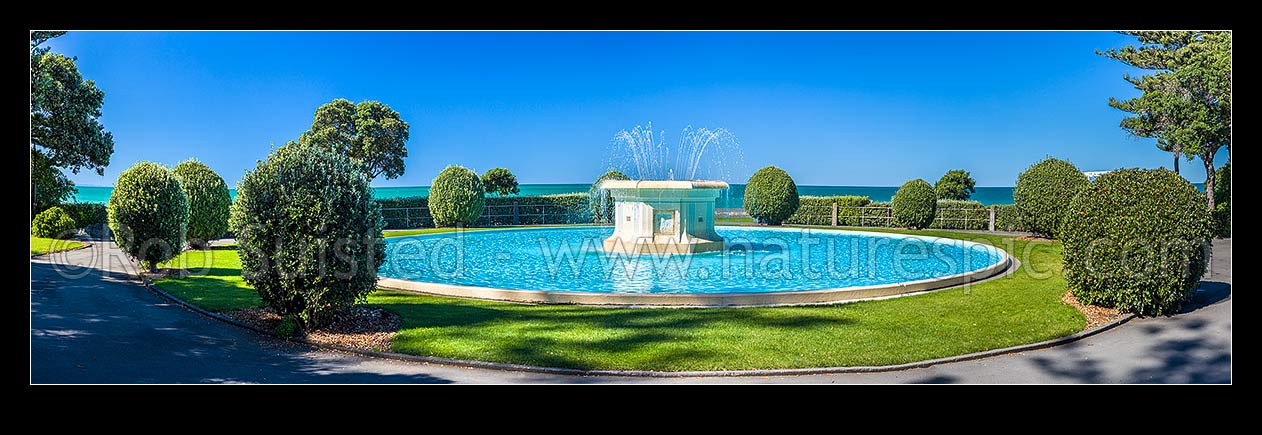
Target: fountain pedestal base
{"points": [[663, 217]]}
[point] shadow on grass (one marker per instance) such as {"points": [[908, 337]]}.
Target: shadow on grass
{"points": [[580, 337]]}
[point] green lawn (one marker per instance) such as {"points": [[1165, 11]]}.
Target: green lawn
{"points": [[215, 283], [734, 220], [1022, 308], [40, 245]]}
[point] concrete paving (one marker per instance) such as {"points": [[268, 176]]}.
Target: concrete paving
{"points": [[91, 322]]}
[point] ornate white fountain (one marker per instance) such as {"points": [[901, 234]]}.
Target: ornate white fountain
{"points": [[656, 214], [663, 216]]}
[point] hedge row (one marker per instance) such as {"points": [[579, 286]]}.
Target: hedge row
{"points": [[818, 210], [1008, 218], [566, 208], [961, 215]]}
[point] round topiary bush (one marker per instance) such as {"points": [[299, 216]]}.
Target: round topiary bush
{"points": [[1222, 201], [914, 204], [309, 233], [1137, 240], [456, 197], [600, 201], [208, 202], [1043, 192], [53, 223], [771, 196], [148, 213]]}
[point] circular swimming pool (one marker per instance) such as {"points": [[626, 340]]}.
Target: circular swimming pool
{"points": [[759, 266]]}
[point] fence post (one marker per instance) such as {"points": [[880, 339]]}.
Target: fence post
{"points": [[834, 214], [407, 222], [515, 213], [992, 217]]}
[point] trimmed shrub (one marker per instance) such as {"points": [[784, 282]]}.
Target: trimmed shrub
{"points": [[500, 181], [601, 201], [1222, 201], [1008, 218], [1043, 193], [1222, 219], [86, 213], [1136, 240], [956, 184], [53, 223], [818, 210], [309, 233], [915, 204], [148, 213], [456, 197], [92, 217], [960, 215], [771, 197], [208, 202]]}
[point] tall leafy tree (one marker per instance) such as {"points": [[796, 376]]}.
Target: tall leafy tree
{"points": [[500, 181], [370, 133], [956, 184], [1186, 101], [66, 132]]}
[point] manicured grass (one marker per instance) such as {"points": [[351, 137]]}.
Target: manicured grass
{"points": [[1024, 307], [40, 245], [734, 220], [215, 283]]}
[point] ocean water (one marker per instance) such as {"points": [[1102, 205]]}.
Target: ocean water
{"points": [[732, 198]]}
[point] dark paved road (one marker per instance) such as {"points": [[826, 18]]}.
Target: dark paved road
{"points": [[103, 327]]}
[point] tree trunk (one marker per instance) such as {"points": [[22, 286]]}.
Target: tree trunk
{"points": [[1176, 163], [1208, 159]]}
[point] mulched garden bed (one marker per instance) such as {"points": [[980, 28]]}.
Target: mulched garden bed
{"points": [[1096, 316], [364, 328]]}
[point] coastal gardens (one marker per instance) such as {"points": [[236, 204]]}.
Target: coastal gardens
{"points": [[1022, 308], [331, 231]]}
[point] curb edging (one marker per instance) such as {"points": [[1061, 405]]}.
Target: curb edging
{"points": [[649, 373]]}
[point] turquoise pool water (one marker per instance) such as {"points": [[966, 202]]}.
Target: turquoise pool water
{"points": [[756, 260]]}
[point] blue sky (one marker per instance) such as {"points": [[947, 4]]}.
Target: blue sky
{"points": [[831, 108]]}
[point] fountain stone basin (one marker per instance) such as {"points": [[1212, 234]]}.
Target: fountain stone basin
{"points": [[663, 216]]}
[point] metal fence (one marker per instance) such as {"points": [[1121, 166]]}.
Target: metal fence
{"points": [[975, 218]]}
